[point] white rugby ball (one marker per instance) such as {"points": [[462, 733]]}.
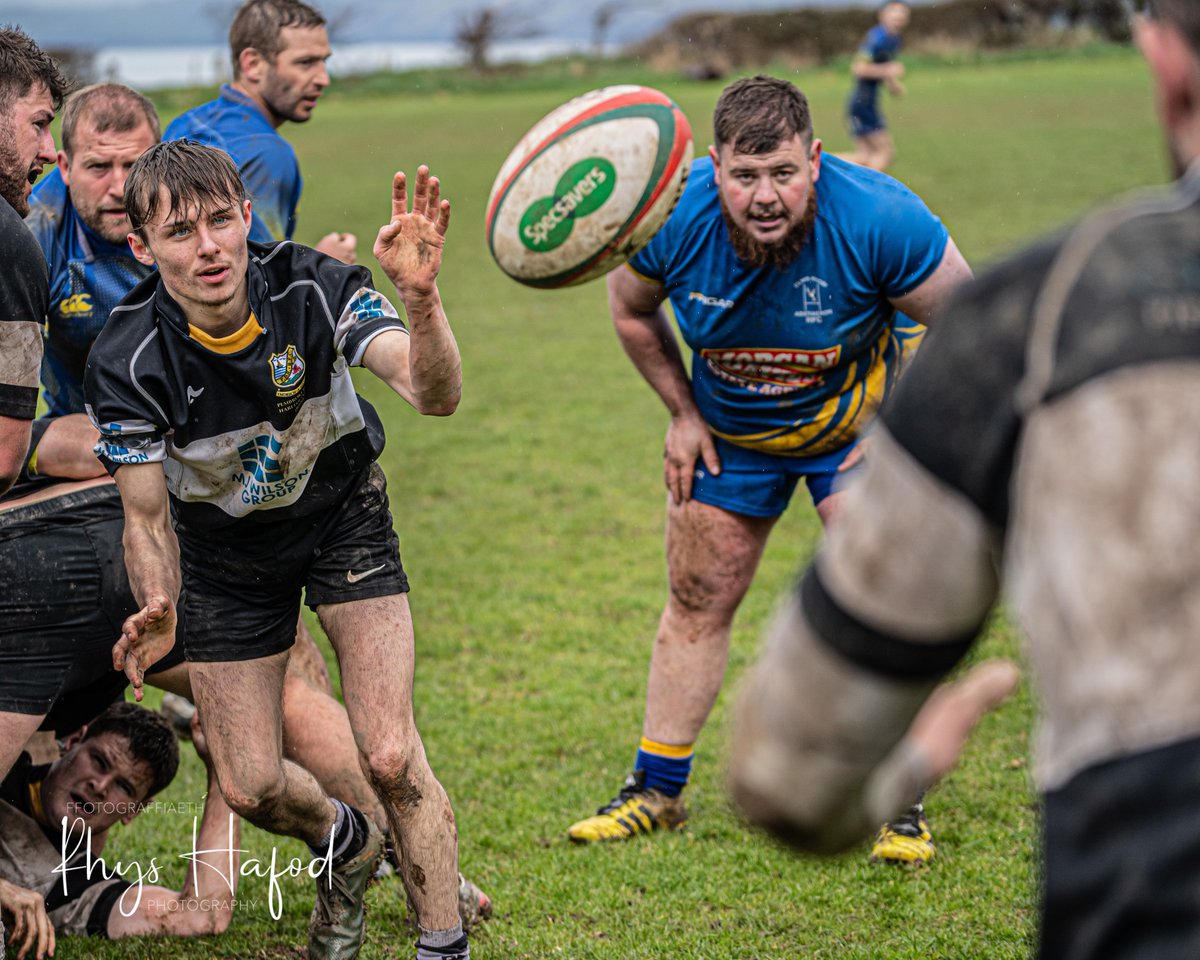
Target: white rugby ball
{"points": [[588, 186]]}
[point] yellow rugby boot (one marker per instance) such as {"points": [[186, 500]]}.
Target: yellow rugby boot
{"points": [[635, 810], [904, 840]]}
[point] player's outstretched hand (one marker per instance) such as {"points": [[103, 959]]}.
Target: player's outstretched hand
{"points": [[409, 248], [340, 246], [30, 931], [940, 729], [688, 440], [146, 637]]}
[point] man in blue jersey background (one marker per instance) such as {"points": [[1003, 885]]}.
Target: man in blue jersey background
{"points": [[279, 49], [875, 64], [793, 278]]}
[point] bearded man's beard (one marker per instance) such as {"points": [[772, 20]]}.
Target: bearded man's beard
{"points": [[780, 254], [12, 177]]}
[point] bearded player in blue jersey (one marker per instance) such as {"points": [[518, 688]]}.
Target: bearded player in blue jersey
{"points": [[799, 282], [279, 49]]}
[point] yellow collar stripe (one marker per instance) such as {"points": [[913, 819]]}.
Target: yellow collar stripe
{"points": [[238, 340]]}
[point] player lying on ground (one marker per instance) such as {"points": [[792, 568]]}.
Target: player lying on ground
{"points": [[55, 817], [239, 417], [66, 595]]}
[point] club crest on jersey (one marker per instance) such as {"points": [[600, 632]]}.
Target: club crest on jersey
{"points": [[812, 309], [287, 371]]}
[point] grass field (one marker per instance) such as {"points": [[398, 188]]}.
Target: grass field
{"points": [[531, 525]]}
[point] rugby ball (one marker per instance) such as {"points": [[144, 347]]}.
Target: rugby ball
{"points": [[588, 186]]}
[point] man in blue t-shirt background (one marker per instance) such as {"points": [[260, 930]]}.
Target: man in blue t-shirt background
{"points": [[876, 63], [800, 283], [279, 49]]}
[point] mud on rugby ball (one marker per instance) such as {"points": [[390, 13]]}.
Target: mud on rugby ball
{"points": [[588, 186]]}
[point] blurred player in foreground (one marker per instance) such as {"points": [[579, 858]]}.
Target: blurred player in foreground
{"points": [[58, 815], [1048, 425], [788, 273], [279, 49], [223, 395], [31, 90], [875, 64]]}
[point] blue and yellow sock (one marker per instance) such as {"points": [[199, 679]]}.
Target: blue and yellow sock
{"points": [[667, 766]]}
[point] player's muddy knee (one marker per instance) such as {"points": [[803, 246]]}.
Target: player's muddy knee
{"points": [[395, 778], [256, 800]]}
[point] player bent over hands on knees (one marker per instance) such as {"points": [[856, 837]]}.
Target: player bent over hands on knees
{"points": [[223, 395], [800, 283]]}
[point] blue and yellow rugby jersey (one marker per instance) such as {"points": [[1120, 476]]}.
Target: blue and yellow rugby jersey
{"points": [[263, 423], [794, 362], [88, 277], [236, 124]]}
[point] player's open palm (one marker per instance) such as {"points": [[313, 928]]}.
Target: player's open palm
{"points": [[409, 248], [146, 637]]}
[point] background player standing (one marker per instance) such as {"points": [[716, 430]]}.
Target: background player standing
{"points": [[875, 64], [279, 49], [229, 370], [787, 272], [1048, 425]]}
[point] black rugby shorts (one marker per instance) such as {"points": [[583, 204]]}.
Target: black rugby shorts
{"points": [[243, 585]]}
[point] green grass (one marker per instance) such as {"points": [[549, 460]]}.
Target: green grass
{"points": [[531, 524]]}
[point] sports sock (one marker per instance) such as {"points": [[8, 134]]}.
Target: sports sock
{"points": [[443, 944], [349, 834], [667, 766]]}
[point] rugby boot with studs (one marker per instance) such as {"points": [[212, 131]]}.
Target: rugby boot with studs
{"points": [[904, 840], [633, 811]]}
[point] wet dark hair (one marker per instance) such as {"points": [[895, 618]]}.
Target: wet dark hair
{"points": [[22, 64], [259, 24], [151, 740], [756, 114], [1184, 14], [109, 106], [193, 174]]}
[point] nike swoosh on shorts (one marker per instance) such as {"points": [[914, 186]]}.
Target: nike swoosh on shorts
{"points": [[352, 577]]}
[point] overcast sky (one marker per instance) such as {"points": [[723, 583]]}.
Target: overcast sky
{"points": [[107, 23]]}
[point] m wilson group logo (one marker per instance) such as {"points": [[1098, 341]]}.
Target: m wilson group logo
{"points": [[771, 371], [264, 479], [581, 191]]}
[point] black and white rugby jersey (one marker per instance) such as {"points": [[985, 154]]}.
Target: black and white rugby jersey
{"points": [[269, 426], [1048, 423], [24, 297]]}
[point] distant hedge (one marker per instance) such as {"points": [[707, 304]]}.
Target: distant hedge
{"points": [[716, 43]]}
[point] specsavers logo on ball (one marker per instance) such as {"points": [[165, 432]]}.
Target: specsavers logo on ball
{"points": [[581, 191]]}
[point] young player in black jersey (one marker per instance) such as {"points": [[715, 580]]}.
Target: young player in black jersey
{"points": [[223, 397]]}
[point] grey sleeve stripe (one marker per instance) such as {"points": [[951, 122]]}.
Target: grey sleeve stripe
{"points": [[1065, 273], [279, 246], [163, 418], [320, 296], [130, 306]]}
